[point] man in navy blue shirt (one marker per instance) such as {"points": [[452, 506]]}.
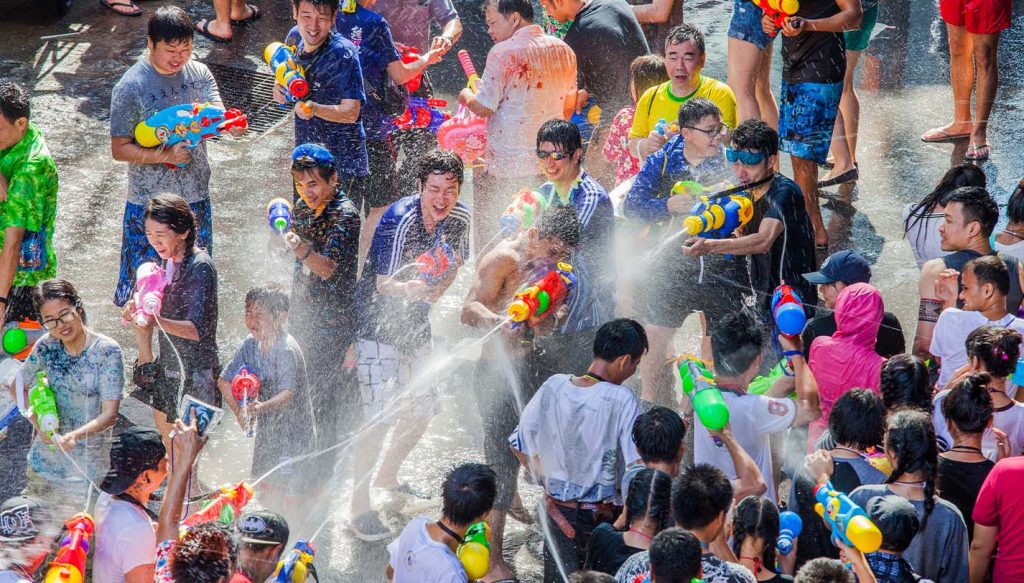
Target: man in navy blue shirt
{"points": [[394, 328]]}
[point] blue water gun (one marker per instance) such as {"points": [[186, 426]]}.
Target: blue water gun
{"points": [[279, 215], [585, 119], [790, 527], [717, 218], [847, 521], [435, 264], [287, 72], [788, 311], [422, 113], [190, 123], [8, 418], [296, 565]]}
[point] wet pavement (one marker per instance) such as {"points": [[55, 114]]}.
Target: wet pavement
{"points": [[71, 77]]}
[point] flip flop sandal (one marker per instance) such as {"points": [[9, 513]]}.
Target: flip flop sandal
{"points": [[851, 175], [254, 15], [110, 4], [937, 136], [978, 153], [204, 29], [521, 515]]}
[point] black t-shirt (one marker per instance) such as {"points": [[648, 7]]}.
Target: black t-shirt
{"points": [[778, 578], [606, 37], [814, 57], [608, 550], [793, 249], [192, 296], [960, 482], [890, 340]]}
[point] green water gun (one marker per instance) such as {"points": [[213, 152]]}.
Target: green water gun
{"points": [[707, 400], [44, 405], [761, 384], [475, 551]]}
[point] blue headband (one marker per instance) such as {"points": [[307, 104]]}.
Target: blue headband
{"points": [[318, 153]]}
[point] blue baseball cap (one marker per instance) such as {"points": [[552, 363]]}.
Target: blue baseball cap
{"points": [[318, 153], [846, 266]]}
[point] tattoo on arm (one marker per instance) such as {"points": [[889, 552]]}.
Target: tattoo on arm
{"points": [[929, 310]]}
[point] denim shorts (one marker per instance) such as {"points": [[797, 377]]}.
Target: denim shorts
{"points": [[807, 114], [746, 24]]}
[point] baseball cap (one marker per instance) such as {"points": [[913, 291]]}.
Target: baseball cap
{"points": [[321, 155], [846, 266], [263, 527], [22, 518], [134, 451], [897, 520]]}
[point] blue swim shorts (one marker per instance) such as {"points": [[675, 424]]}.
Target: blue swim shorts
{"points": [[746, 24], [807, 114]]}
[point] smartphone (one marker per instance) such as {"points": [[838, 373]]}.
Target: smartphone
{"points": [[207, 416]]}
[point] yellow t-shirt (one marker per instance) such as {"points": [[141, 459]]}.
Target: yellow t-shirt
{"points": [[658, 103]]}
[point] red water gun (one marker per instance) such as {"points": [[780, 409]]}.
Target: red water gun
{"points": [[422, 113], [538, 301], [245, 388], [778, 10], [225, 507], [69, 564], [411, 55]]}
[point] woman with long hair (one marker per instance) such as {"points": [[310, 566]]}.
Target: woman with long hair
{"points": [[921, 221]]}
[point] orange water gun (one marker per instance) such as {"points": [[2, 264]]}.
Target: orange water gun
{"points": [[69, 564], [225, 507]]}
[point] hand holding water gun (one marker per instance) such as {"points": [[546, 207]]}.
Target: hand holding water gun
{"points": [[287, 73], [847, 521], [587, 118], [536, 302], [279, 215], [43, 405], [422, 113], [150, 282], [664, 128], [705, 398], [778, 12], [788, 311], [762, 384], [524, 211], [465, 133], [18, 338], [717, 218], [189, 124], [245, 388], [225, 507], [472, 79], [435, 265], [69, 564], [297, 564], [790, 527], [475, 551]]}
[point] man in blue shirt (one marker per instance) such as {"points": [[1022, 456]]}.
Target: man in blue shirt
{"points": [[394, 328]]}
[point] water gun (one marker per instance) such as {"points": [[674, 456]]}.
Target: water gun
{"points": [[44, 405], [8, 418], [778, 10], [662, 127], [587, 118], [847, 521], [422, 113], [717, 218], [18, 338], [472, 79], [475, 551], [287, 72], [296, 565], [790, 527], [761, 384], [465, 133], [225, 506], [435, 264], [69, 564], [788, 311], [245, 388], [524, 211], [150, 282], [539, 300], [188, 122], [279, 215], [411, 55], [706, 399]]}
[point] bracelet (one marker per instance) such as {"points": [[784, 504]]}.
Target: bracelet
{"points": [[789, 353], [309, 250], [4, 300]]}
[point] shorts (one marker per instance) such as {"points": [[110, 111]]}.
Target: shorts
{"points": [[977, 16], [745, 24], [807, 114], [384, 384], [857, 40], [136, 250], [378, 188], [163, 395]]}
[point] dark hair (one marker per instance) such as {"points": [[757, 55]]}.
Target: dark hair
{"points": [[14, 103], [620, 337], [507, 8], [896, 534], [304, 164], [997, 347], [858, 419], [270, 296], [756, 136], [1015, 206], [170, 24], [560, 223], [990, 269], [697, 109], [649, 496], [439, 162], [591, 577], [968, 405], [59, 289], [700, 495], [955, 177], [468, 492], [561, 133], [978, 206], [905, 383], [910, 437], [647, 71], [658, 433], [682, 33], [736, 342], [322, 6], [172, 210], [675, 556], [756, 517], [206, 554], [822, 570]]}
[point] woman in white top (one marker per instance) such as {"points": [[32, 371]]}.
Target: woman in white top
{"points": [[1011, 239], [921, 221]]}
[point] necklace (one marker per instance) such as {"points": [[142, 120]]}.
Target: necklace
{"points": [[450, 532], [914, 484], [976, 450], [641, 534], [594, 377], [1014, 233]]}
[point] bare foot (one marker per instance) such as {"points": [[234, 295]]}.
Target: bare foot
{"points": [[499, 570], [247, 12], [952, 131]]}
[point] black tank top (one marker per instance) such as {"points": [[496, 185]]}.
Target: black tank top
{"points": [[958, 259]]}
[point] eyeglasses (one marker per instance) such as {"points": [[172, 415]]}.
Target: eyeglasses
{"points": [[65, 318], [715, 131], [556, 156], [745, 157]]}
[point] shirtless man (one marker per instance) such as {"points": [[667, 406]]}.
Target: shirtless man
{"points": [[503, 374]]}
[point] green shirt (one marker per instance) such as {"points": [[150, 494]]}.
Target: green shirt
{"points": [[31, 204]]}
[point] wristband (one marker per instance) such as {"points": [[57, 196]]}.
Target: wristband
{"points": [[4, 300], [789, 353]]}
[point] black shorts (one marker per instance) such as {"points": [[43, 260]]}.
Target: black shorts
{"points": [[378, 188]]}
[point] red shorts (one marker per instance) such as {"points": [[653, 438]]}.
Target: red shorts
{"points": [[978, 16]]}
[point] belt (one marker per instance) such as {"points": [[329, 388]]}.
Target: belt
{"points": [[591, 506], [551, 504]]}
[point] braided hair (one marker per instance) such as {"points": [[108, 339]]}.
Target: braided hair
{"points": [[910, 439], [650, 494], [756, 517], [998, 349]]}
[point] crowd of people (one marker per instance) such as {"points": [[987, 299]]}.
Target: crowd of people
{"points": [[578, 396]]}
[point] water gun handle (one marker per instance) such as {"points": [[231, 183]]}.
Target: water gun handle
{"points": [[470, 70]]}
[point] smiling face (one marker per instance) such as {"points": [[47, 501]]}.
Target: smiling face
{"points": [[749, 173], [558, 170], [683, 62], [499, 26], [314, 188], [65, 319], [168, 58], [438, 195], [955, 231], [314, 24], [705, 136], [164, 240]]}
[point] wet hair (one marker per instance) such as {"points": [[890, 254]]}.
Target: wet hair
{"points": [[998, 349], [206, 554], [658, 433], [910, 437], [968, 406], [620, 337], [756, 517], [905, 383], [507, 8], [822, 570], [14, 103], [269, 296], [561, 133], [700, 495], [59, 289], [304, 164], [978, 206], [649, 496], [172, 211], [591, 577], [694, 110], [756, 136], [736, 342], [682, 33], [440, 162], [858, 419], [468, 492], [560, 223], [675, 556], [322, 6], [990, 269], [170, 24], [955, 177], [647, 71], [1015, 206]]}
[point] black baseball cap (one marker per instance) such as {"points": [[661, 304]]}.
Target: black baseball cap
{"points": [[263, 527], [134, 451], [897, 520], [846, 266], [22, 518]]}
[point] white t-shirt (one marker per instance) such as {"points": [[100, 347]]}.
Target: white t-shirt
{"points": [[923, 235], [950, 336], [752, 419], [1016, 250], [417, 558], [583, 436], [1009, 419], [125, 539]]}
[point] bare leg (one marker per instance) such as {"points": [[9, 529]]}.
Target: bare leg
{"points": [[744, 65], [805, 172], [844, 133], [986, 47], [499, 569], [652, 367], [408, 432], [225, 9], [368, 447], [765, 100], [961, 75]]}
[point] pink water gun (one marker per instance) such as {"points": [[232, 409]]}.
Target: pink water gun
{"points": [[465, 133], [150, 281]]}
